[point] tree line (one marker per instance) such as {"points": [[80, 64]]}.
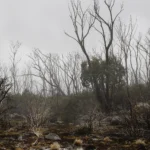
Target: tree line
{"points": [[115, 76]]}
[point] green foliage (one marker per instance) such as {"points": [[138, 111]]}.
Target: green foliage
{"points": [[99, 70]]}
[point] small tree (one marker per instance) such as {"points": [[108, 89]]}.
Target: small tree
{"points": [[99, 72], [14, 66], [37, 110], [4, 90]]}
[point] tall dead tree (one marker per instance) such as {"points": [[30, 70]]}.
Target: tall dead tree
{"points": [[125, 35], [145, 48], [14, 65], [83, 21], [106, 30]]}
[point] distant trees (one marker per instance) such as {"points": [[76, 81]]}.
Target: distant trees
{"points": [[59, 74]]}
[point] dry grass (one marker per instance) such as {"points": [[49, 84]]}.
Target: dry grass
{"points": [[55, 146], [38, 132], [107, 139], [78, 142], [140, 142]]}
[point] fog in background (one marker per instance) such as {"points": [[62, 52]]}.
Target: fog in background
{"points": [[41, 24]]}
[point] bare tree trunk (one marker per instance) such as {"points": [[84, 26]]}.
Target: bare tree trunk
{"points": [[14, 68], [106, 27], [82, 22]]}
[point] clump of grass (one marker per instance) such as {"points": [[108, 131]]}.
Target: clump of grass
{"points": [[55, 146], [140, 142], [107, 139], [78, 142], [38, 132], [17, 148]]}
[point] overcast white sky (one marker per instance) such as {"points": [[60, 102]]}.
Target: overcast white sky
{"points": [[41, 24]]}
